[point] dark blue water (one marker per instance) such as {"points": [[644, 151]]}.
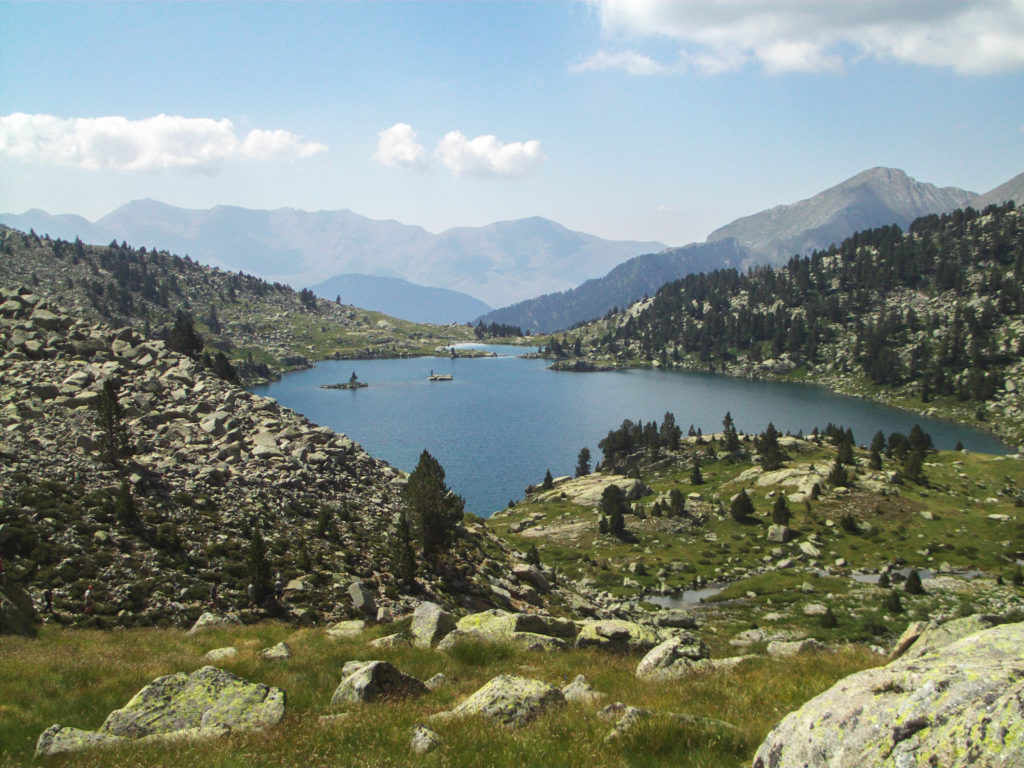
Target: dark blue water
{"points": [[502, 422]]}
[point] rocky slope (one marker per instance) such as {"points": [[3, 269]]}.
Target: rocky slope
{"points": [[211, 485], [263, 328]]}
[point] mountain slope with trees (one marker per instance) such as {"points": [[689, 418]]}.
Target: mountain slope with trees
{"points": [[877, 197], [262, 328], [931, 319]]}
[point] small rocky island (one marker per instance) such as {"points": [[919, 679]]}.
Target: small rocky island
{"points": [[352, 383]]}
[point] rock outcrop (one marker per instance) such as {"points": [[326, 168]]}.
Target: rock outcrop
{"points": [[961, 704], [673, 658], [208, 702]]}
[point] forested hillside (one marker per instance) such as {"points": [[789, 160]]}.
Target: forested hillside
{"points": [[261, 327], [927, 319]]}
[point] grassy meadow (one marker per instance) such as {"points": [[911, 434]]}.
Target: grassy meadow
{"points": [[76, 677]]}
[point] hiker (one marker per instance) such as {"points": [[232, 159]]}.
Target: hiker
{"points": [[88, 601], [48, 599], [251, 592]]}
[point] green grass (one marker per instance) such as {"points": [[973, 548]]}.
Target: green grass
{"points": [[76, 677]]}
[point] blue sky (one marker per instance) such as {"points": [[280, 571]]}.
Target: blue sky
{"points": [[642, 120]]}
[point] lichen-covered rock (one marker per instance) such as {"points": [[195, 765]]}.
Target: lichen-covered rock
{"points": [[59, 739], [218, 655], [210, 619], [673, 658], [790, 647], [510, 700], [207, 698], [367, 681], [958, 705], [277, 652], [347, 630], [424, 740], [936, 636], [430, 622], [503, 625], [580, 690], [397, 640], [617, 636]]}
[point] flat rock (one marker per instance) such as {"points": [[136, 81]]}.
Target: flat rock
{"points": [[963, 704], [218, 655]]}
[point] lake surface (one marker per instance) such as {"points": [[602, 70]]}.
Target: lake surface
{"points": [[502, 422]]}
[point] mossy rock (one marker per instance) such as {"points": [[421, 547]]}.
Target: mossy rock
{"points": [[960, 705]]}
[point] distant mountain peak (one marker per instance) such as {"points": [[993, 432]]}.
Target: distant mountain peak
{"points": [[872, 198]]}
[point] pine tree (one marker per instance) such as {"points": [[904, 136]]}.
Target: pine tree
{"points": [[583, 462], [256, 566], [434, 507], [124, 506], [613, 506], [913, 585], [780, 511], [114, 441], [183, 337], [768, 447], [741, 507], [403, 556], [732, 440], [837, 475], [696, 478]]}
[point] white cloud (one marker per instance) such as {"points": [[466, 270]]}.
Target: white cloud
{"points": [[968, 36], [629, 61], [153, 143], [397, 148], [486, 156]]}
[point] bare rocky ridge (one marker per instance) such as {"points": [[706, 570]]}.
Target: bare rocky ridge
{"points": [[209, 463]]}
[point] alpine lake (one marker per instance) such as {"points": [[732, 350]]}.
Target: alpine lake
{"points": [[501, 422]]}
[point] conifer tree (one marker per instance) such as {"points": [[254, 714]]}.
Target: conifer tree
{"points": [[583, 462], [433, 506], [403, 556], [114, 441], [696, 478], [732, 440], [256, 565], [741, 507], [780, 511]]}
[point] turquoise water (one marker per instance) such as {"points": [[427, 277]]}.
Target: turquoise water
{"points": [[502, 422]]}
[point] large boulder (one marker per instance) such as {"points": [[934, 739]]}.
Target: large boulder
{"points": [[207, 698], [673, 658], [962, 704], [208, 702], [617, 636], [17, 616], [935, 636], [367, 681], [510, 700], [430, 622], [497, 624]]}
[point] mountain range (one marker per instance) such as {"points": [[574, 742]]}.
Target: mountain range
{"points": [[500, 263], [873, 198], [505, 264]]}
